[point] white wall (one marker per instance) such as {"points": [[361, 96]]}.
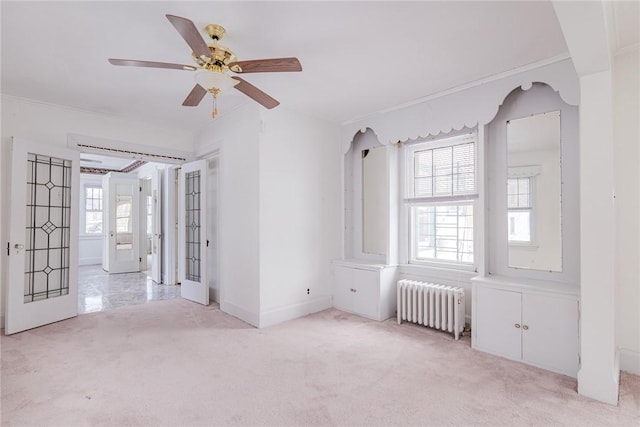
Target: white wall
{"points": [[49, 123], [236, 136], [626, 138], [300, 213], [46, 123], [280, 204]]}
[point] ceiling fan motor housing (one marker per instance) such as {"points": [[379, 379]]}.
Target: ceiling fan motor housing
{"points": [[220, 58]]}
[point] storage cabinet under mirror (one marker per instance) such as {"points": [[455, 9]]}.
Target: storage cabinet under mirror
{"points": [[530, 321], [526, 307], [364, 282]]}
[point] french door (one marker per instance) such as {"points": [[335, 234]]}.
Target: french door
{"points": [[156, 226], [192, 232], [122, 240], [43, 236]]}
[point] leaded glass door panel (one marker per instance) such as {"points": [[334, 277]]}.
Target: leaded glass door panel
{"points": [[192, 227], [43, 246], [156, 240], [121, 212]]}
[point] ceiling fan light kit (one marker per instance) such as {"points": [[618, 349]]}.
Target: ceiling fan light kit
{"points": [[213, 62]]}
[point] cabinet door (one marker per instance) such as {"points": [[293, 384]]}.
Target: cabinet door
{"points": [[550, 332], [342, 285], [365, 297], [498, 328]]}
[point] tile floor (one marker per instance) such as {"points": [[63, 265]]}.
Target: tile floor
{"points": [[101, 291]]}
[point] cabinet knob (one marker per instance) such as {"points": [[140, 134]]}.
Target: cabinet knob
{"points": [[525, 327], [517, 325]]}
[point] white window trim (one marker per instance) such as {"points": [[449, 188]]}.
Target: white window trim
{"points": [[406, 238], [526, 172], [83, 207]]}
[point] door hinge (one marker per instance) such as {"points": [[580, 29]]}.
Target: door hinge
{"points": [[140, 189], [140, 259], [8, 250]]}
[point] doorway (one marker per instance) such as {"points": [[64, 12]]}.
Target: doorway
{"points": [[127, 221], [157, 231]]}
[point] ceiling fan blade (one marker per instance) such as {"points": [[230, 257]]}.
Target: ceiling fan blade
{"points": [[266, 65], [256, 94], [151, 64], [195, 96], [190, 34]]}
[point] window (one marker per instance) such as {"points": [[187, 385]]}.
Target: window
{"points": [[520, 209], [441, 189], [93, 209], [149, 214]]}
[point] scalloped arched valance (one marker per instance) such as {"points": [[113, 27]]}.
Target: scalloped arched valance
{"points": [[465, 108]]}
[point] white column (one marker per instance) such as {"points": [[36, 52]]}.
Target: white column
{"points": [[599, 370]]}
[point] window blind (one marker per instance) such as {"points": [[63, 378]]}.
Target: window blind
{"points": [[445, 171]]}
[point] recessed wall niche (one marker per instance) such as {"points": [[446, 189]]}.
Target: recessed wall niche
{"points": [[533, 173], [367, 199]]}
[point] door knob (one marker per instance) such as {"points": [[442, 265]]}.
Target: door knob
{"points": [[18, 246], [525, 327], [517, 325]]}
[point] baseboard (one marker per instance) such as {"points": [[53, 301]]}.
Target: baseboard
{"points": [[294, 311], [90, 261], [629, 361], [240, 313]]}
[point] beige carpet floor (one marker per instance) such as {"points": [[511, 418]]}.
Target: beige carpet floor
{"points": [[180, 364]]}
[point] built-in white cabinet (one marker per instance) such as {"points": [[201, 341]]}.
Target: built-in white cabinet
{"points": [[365, 289], [531, 321]]}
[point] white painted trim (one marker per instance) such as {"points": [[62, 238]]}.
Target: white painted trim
{"points": [[240, 313], [629, 361], [294, 311], [494, 77], [127, 150], [632, 48], [448, 275], [469, 107]]}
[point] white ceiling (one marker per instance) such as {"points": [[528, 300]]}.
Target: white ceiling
{"points": [[357, 57], [104, 162]]}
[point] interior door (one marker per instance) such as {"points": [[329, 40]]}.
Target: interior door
{"points": [[43, 246], [192, 232], [156, 215], [123, 219], [212, 230]]}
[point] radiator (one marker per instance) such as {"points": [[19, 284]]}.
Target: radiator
{"points": [[428, 304]]}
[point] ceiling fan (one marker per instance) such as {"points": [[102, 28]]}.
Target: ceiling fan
{"points": [[213, 61]]}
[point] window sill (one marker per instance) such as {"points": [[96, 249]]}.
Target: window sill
{"points": [[524, 245], [447, 273], [90, 236]]}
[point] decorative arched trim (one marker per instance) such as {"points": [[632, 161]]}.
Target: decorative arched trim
{"points": [[346, 145], [470, 107]]}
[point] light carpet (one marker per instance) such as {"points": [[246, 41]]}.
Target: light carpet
{"points": [[181, 364]]}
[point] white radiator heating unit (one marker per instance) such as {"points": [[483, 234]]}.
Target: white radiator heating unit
{"points": [[429, 304]]}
